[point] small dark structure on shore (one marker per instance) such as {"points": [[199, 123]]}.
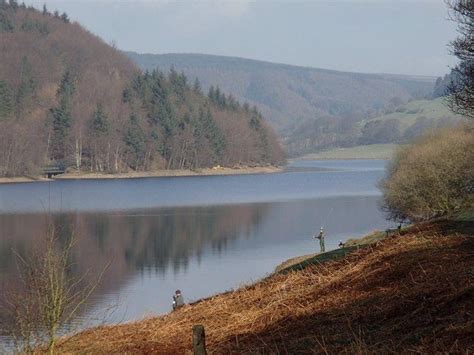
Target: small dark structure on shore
{"points": [[53, 170], [199, 340]]}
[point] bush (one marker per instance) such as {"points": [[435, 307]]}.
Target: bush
{"points": [[432, 177]]}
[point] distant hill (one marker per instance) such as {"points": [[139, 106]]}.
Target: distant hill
{"points": [[68, 98], [377, 137], [407, 122], [293, 98]]}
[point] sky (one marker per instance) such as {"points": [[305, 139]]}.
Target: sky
{"points": [[372, 36]]}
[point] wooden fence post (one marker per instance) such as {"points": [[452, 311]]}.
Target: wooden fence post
{"points": [[199, 340]]}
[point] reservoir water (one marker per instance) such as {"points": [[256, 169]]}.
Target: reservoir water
{"points": [[201, 235]]}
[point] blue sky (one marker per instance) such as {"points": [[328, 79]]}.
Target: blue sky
{"points": [[389, 36]]}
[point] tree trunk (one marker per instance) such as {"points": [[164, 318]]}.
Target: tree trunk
{"points": [[116, 158], [78, 151]]}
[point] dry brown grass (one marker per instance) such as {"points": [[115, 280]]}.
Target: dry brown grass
{"points": [[411, 293], [297, 260]]}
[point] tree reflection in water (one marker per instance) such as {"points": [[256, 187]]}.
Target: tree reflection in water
{"points": [[204, 249], [156, 239]]}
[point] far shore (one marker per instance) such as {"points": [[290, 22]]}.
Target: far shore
{"points": [[216, 171], [360, 152]]}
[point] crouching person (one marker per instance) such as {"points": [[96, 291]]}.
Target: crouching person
{"points": [[178, 300]]}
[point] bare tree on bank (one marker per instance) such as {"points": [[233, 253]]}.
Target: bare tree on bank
{"points": [[461, 88], [50, 296]]}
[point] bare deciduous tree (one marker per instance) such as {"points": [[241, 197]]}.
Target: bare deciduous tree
{"points": [[50, 295], [461, 89]]}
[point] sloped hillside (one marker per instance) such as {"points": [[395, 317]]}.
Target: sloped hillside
{"points": [[408, 293], [407, 122], [298, 99], [68, 98], [397, 126]]}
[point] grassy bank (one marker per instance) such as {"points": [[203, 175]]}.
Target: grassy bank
{"points": [[372, 151], [410, 292], [149, 174]]}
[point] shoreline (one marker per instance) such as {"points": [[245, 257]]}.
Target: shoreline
{"points": [[216, 171], [257, 311], [304, 157], [360, 152]]}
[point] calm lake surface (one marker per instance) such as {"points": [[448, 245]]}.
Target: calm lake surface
{"points": [[202, 235]]}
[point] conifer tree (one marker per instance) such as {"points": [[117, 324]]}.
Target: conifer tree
{"points": [[99, 128], [157, 142], [6, 100], [162, 111], [135, 141], [197, 87], [222, 101], [178, 84], [67, 85], [127, 95], [159, 92], [27, 87], [62, 118], [99, 123], [255, 123], [65, 17], [212, 93], [14, 4], [61, 124], [6, 24], [217, 96], [173, 76], [212, 133], [232, 103], [137, 85]]}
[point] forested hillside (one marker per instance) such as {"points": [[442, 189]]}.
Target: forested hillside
{"points": [[67, 98], [311, 108]]}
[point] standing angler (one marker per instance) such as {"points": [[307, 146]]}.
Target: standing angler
{"points": [[320, 236]]}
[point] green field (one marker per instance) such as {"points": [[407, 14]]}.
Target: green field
{"points": [[372, 151], [407, 114]]}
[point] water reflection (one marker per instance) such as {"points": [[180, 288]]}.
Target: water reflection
{"points": [[157, 240], [202, 235], [201, 250]]}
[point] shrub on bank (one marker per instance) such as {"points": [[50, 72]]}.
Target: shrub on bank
{"points": [[432, 177]]}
